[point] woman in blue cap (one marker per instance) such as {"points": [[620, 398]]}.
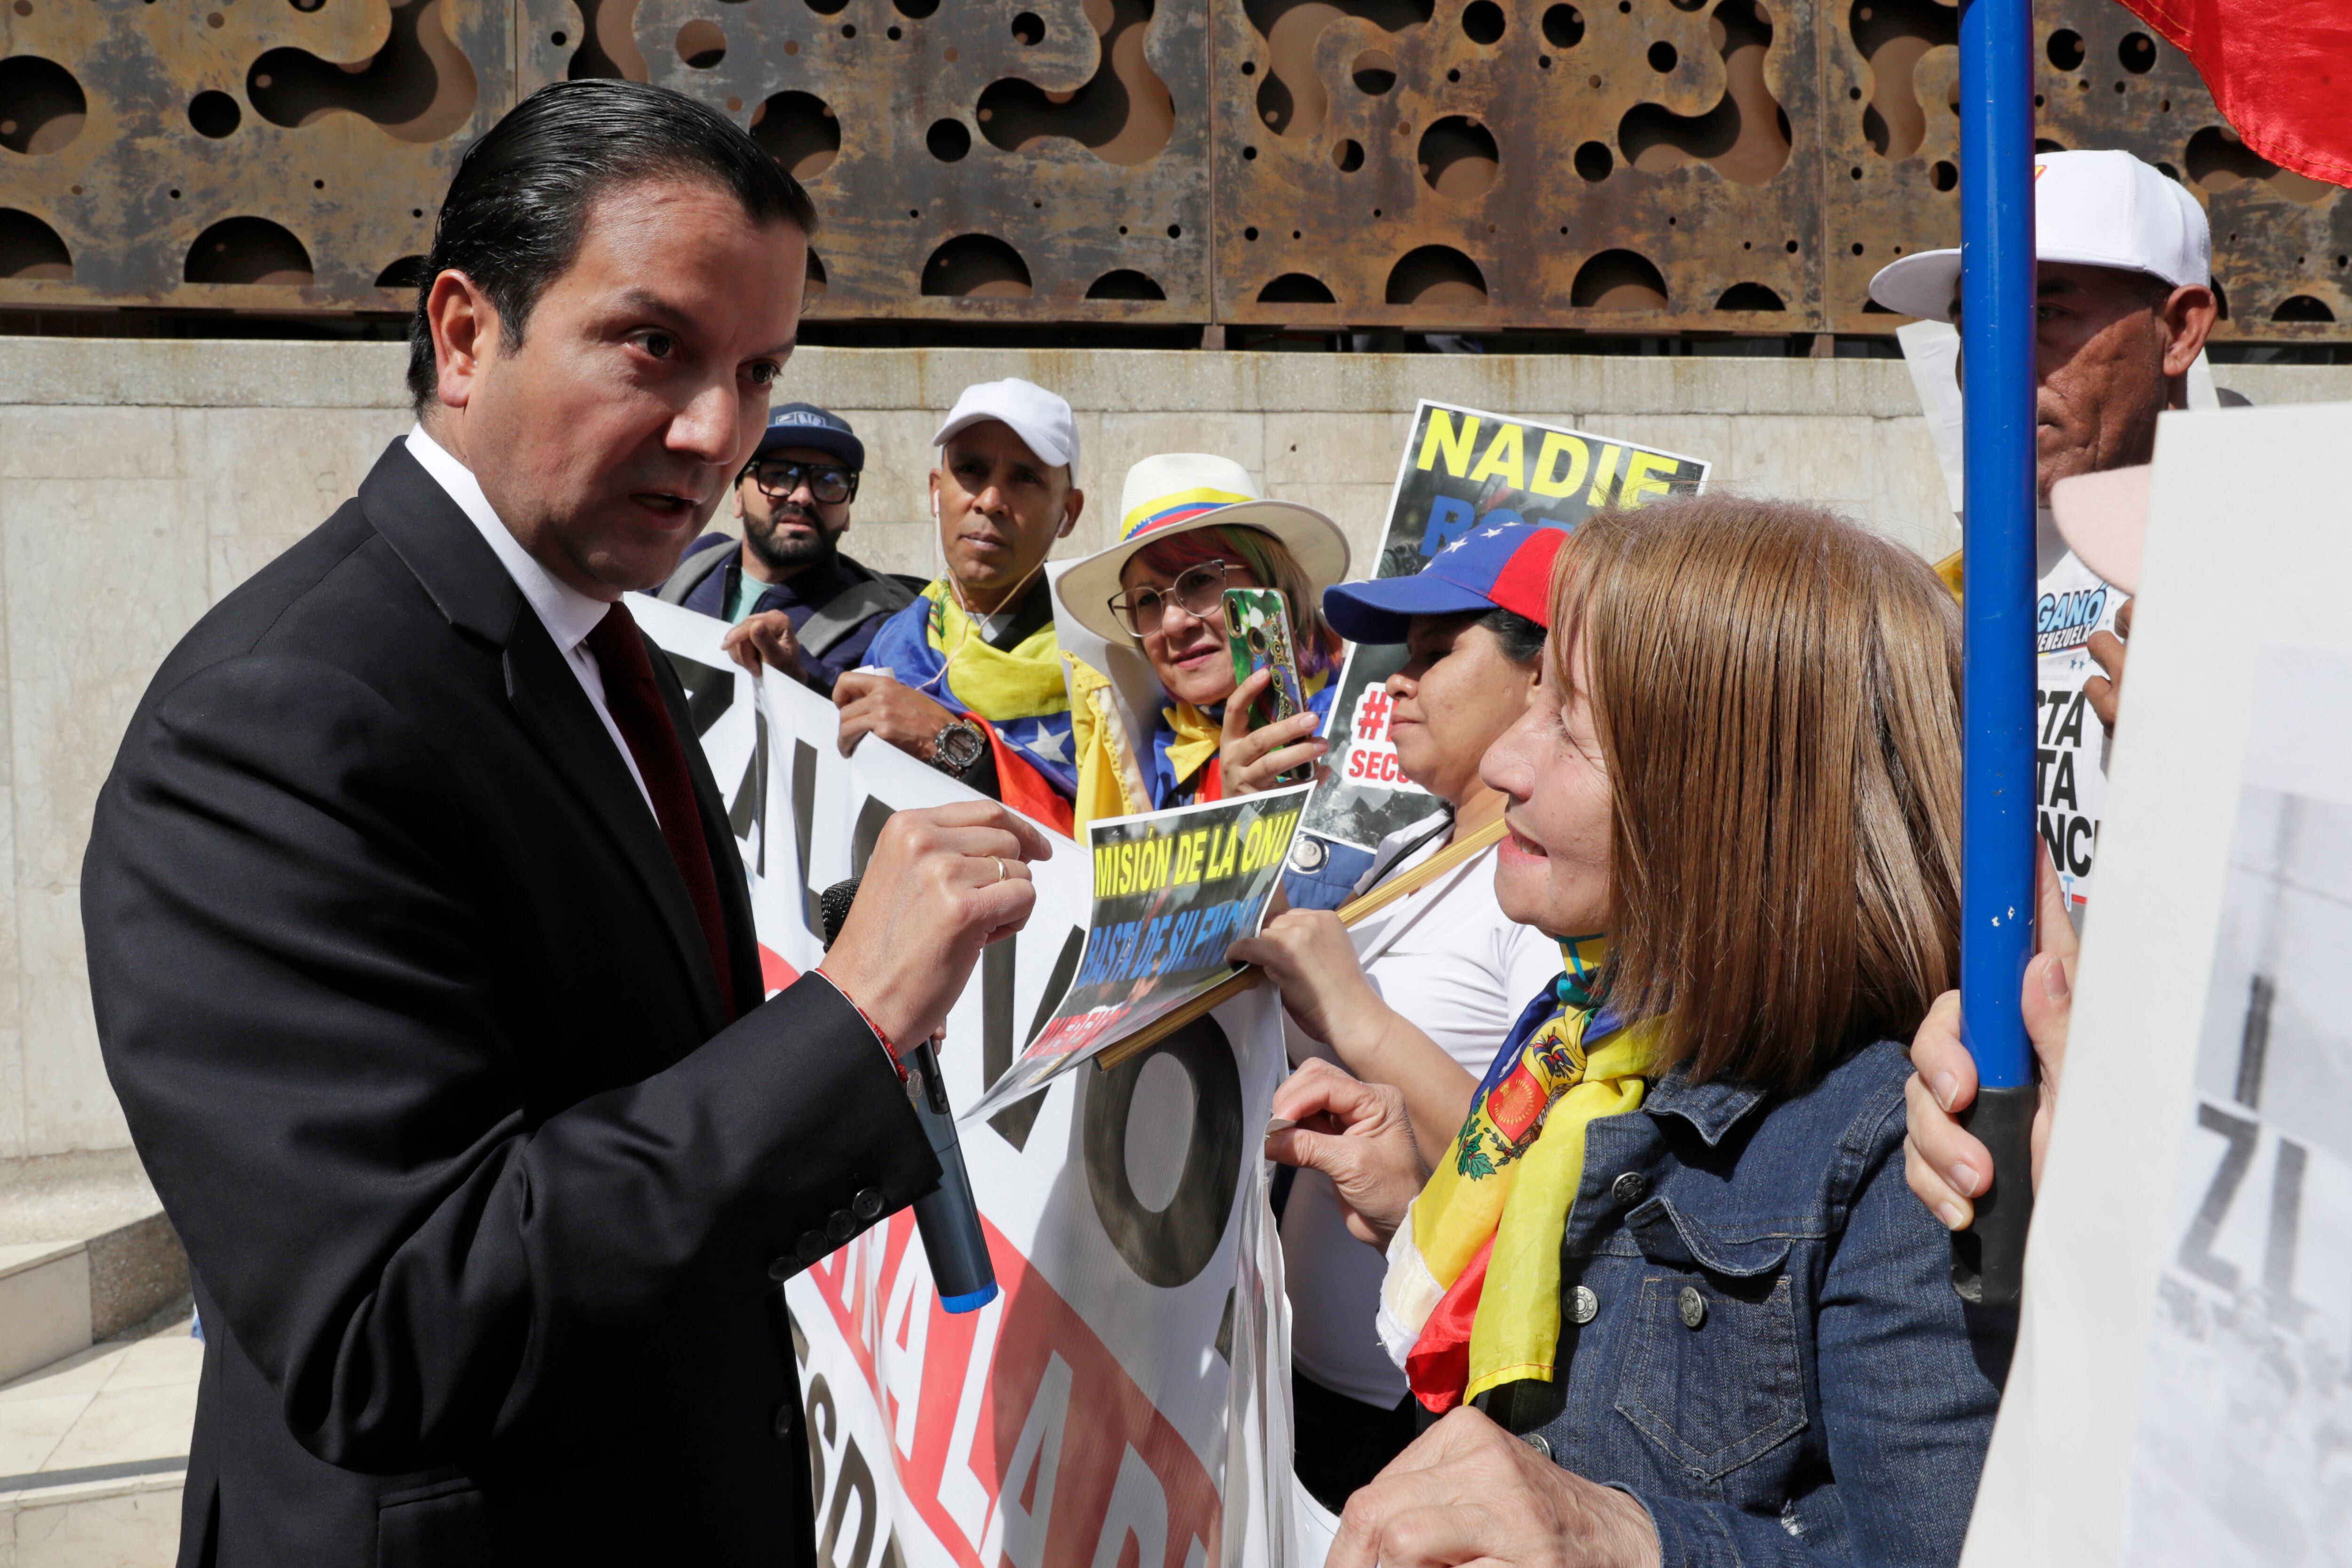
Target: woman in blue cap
{"points": [[1421, 991]]}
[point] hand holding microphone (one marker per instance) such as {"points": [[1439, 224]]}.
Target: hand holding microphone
{"points": [[943, 883], [920, 916]]}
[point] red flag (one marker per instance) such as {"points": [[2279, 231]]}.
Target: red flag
{"points": [[2280, 71]]}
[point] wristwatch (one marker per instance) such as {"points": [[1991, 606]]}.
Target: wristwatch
{"points": [[956, 746]]}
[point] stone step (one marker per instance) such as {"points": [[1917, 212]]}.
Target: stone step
{"points": [[112, 1521], [85, 1254], [94, 1454], [44, 1304]]}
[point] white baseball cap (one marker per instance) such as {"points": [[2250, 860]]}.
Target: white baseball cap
{"points": [[2095, 209], [1041, 418]]}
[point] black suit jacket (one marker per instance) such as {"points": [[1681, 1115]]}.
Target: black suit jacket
{"points": [[421, 1043]]}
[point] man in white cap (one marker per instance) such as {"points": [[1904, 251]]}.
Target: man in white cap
{"points": [[973, 683], [2124, 300]]}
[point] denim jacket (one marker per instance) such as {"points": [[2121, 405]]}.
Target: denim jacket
{"points": [[1775, 1364]]}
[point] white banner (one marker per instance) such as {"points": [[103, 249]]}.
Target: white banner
{"points": [[2182, 1390], [1123, 1402]]}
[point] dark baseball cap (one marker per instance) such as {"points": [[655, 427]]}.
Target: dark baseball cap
{"points": [[818, 430]]}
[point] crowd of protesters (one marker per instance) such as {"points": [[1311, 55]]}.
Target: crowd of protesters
{"points": [[1719, 1329], [1623, 1150]]}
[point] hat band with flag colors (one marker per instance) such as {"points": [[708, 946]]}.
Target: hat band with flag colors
{"points": [[1164, 510], [1177, 492]]}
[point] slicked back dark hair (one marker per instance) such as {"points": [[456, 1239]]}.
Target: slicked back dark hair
{"points": [[519, 203]]}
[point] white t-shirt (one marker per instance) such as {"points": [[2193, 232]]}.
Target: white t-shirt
{"points": [[2070, 771], [1447, 958]]}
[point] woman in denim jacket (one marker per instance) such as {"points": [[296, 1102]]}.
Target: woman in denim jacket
{"points": [[1668, 1280]]}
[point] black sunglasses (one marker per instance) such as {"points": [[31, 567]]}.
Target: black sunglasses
{"points": [[830, 483]]}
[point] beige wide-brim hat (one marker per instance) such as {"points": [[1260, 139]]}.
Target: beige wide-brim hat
{"points": [[1176, 492]]}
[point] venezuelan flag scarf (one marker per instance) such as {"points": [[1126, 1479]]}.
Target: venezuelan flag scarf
{"points": [[933, 647], [1472, 1297]]}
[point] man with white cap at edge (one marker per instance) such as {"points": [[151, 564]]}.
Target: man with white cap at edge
{"points": [[969, 676], [2124, 301]]}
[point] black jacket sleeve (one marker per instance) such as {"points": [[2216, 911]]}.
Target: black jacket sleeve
{"points": [[320, 1057]]}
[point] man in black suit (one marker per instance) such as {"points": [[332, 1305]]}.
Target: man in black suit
{"points": [[423, 960]]}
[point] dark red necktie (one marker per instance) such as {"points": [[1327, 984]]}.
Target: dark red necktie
{"points": [[636, 706]]}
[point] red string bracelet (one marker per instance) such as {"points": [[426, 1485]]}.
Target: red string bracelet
{"points": [[887, 1049]]}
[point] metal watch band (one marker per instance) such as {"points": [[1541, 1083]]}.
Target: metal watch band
{"points": [[957, 746]]}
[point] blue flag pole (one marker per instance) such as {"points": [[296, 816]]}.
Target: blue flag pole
{"points": [[1997, 899]]}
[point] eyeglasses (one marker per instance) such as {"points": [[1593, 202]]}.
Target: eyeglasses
{"points": [[828, 482], [1200, 590]]}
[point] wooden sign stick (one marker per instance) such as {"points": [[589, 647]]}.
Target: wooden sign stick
{"points": [[1247, 977]]}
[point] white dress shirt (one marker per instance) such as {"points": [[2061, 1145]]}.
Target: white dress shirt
{"points": [[568, 614]]}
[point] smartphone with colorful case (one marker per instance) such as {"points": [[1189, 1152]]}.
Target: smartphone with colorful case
{"points": [[1257, 634]]}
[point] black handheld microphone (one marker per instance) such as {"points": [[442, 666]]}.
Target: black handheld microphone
{"points": [[946, 1216]]}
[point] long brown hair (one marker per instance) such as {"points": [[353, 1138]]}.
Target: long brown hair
{"points": [[1777, 694]]}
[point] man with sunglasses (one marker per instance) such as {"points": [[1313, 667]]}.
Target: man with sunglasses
{"points": [[795, 601]]}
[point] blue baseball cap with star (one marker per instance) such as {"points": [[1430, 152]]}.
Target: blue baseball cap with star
{"points": [[818, 430], [1502, 566]]}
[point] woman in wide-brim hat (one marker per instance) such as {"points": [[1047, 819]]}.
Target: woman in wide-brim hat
{"points": [[1171, 728]]}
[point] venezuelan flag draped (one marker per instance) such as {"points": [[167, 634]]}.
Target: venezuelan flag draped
{"points": [[1017, 694], [1472, 1297]]}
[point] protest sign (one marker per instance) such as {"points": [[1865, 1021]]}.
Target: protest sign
{"points": [[1126, 1400], [2246, 1395], [1172, 890], [2180, 1391], [1464, 469]]}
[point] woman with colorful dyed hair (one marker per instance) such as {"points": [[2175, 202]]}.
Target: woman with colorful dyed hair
{"points": [[1666, 1285], [1161, 722]]}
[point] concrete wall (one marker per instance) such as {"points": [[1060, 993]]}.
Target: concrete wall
{"points": [[140, 481]]}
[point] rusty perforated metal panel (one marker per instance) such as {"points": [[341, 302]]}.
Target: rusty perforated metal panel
{"points": [[1540, 166], [1611, 165], [327, 137]]}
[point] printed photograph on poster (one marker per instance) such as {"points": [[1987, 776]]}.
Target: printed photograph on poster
{"points": [[1464, 469], [1173, 890], [2243, 1452]]}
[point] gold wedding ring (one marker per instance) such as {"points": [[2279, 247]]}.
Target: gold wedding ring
{"points": [[1000, 869]]}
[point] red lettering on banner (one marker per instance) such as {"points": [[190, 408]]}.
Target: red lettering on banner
{"points": [[1371, 753], [774, 973], [1019, 1412]]}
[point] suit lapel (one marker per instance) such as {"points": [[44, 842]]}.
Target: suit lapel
{"points": [[555, 711], [439, 543]]}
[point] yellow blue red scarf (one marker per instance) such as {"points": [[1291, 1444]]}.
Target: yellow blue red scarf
{"points": [[933, 647], [1472, 1297]]}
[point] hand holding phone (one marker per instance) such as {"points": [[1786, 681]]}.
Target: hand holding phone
{"points": [[1257, 634]]}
